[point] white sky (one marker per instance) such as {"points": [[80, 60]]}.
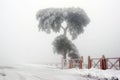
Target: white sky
{"points": [[21, 42]]}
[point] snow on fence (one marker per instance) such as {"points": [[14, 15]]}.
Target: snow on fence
{"points": [[72, 63], [104, 63], [100, 63]]}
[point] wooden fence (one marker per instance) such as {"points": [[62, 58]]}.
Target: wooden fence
{"points": [[100, 63], [72, 63], [104, 63]]}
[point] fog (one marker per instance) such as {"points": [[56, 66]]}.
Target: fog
{"points": [[21, 42]]}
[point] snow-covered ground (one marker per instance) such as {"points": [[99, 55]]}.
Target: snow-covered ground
{"points": [[45, 72]]}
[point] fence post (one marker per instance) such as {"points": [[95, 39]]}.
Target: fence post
{"points": [[89, 62], [81, 61], [103, 63], [119, 63]]}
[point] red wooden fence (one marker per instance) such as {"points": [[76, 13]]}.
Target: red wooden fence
{"points": [[71, 63], [79, 62], [101, 63], [104, 63]]}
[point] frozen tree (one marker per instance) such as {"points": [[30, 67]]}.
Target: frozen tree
{"points": [[62, 45], [50, 19]]}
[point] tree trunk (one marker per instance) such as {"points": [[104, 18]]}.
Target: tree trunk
{"points": [[65, 31], [65, 52], [64, 57]]}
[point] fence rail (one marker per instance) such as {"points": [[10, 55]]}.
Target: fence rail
{"points": [[104, 63], [71, 63], [101, 63]]}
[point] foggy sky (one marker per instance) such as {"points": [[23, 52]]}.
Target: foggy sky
{"points": [[21, 42]]}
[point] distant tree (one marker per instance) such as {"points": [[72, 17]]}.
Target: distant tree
{"points": [[51, 19]]}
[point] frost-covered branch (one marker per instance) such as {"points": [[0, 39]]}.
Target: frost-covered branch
{"points": [[50, 19], [62, 45]]}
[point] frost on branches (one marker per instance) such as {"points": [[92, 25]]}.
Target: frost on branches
{"points": [[62, 45], [50, 19]]}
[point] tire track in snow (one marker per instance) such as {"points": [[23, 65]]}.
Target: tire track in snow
{"points": [[41, 78], [21, 77]]}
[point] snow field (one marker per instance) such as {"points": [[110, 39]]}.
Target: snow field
{"points": [[46, 72]]}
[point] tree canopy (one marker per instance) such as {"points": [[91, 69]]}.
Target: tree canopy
{"points": [[62, 45], [50, 19]]}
